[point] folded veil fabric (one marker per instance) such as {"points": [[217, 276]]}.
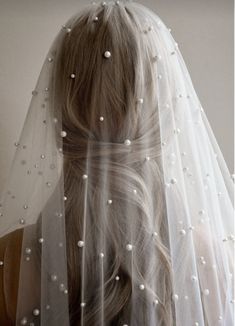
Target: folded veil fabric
{"points": [[143, 226]]}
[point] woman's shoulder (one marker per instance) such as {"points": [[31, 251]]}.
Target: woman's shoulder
{"points": [[10, 253]]}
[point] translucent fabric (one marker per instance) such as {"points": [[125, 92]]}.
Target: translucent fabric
{"points": [[156, 200]]}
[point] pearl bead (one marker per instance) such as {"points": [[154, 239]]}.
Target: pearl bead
{"points": [[55, 120], [80, 243], [140, 100], [135, 191], [127, 142], [156, 302], [101, 118], [95, 19], [107, 54], [85, 176], [62, 287], [22, 221], [54, 277], [155, 234], [147, 158], [129, 247], [201, 212], [182, 232], [173, 181], [25, 206], [68, 30], [65, 198], [28, 251], [220, 318], [1, 263], [36, 312], [109, 201], [24, 321], [101, 255], [177, 131], [194, 278], [186, 297], [196, 324], [104, 3], [175, 297], [159, 76], [72, 76], [206, 292], [63, 133], [83, 304], [141, 287], [40, 240], [42, 156], [117, 278], [50, 59]]}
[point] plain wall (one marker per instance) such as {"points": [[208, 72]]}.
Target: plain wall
{"points": [[202, 28]]}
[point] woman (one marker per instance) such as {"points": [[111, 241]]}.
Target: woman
{"points": [[118, 208]]}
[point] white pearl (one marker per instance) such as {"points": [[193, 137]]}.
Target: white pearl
{"points": [[186, 297], [196, 324], [117, 278], [104, 3], [220, 318], [109, 201], [155, 234], [54, 277], [159, 76], [175, 297], [28, 251], [206, 292], [129, 247], [141, 287], [22, 221], [55, 120], [156, 302], [68, 30], [40, 240], [135, 191], [147, 158], [173, 181], [186, 169], [101, 255], [24, 321], [50, 59], [72, 76], [63, 133], [65, 198], [80, 243], [42, 156], [127, 142], [85, 176], [177, 131], [25, 206], [101, 118], [194, 278], [62, 287], [36, 312], [107, 54], [95, 19], [182, 232], [1, 263], [201, 212], [83, 304], [140, 100], [191, 227]]}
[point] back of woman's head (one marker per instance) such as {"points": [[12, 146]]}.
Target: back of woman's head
{"points": [[105, 84]]}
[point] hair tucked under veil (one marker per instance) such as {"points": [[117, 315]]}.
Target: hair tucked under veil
{"points": [[118, 189]]}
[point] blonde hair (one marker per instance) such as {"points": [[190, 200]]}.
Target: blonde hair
{"points": [[110, 90]]}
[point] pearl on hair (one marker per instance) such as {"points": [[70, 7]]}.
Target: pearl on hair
{"points": [[54, 277], [129, 247], [50, 59], [101, 255], [141, 287], [140, 100], [173, 181], [95, 19], [72, 76], [36, 312], [182, 232], [156, 302], [22, 221], [107, 54], [63, 133], [85, 176], [1, 263], [206, 292], [127, 142], [40, 240], [117, 278], [109, 201], [82, 304], [101, 118], [24, 321], [28, 251], [80, 243]]}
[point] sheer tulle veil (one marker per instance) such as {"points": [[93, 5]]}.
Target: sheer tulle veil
{"points": [[118, 183]]}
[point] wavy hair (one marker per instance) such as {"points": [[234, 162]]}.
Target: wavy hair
{"points": [[101, 89]]}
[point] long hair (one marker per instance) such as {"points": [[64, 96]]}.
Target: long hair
{"points": [[90, 87]]}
